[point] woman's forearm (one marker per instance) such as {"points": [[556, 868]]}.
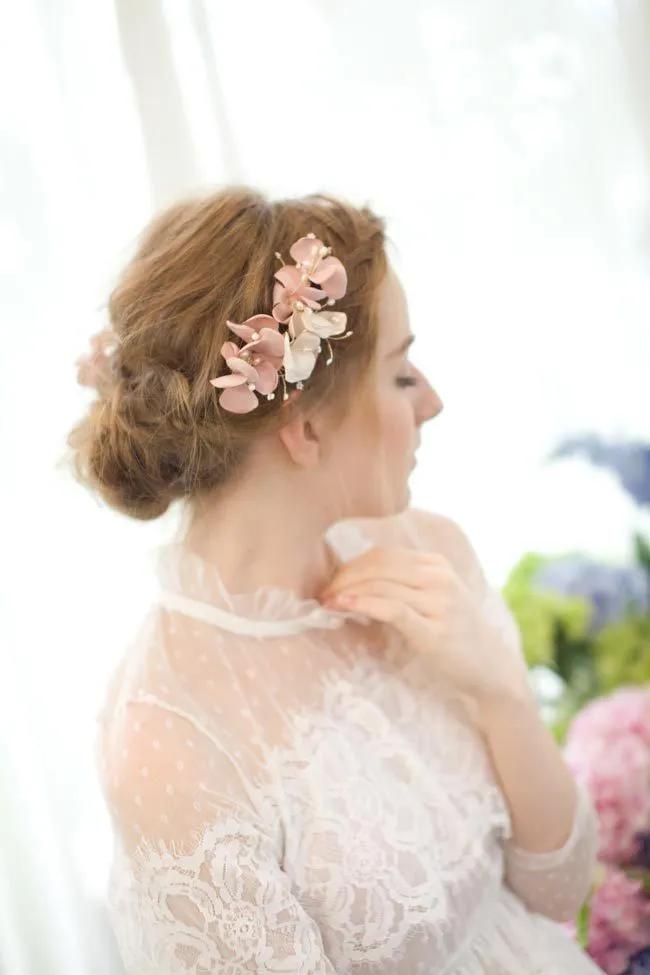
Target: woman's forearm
{"points": [[538, 786]]}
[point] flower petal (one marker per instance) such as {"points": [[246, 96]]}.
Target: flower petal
{"points": [[104, 342], [311, 296], [252, 325], [281, 304], [297, 322], [258, 322], [283, 298], [305, 250], [245, 369], [271, 345], [300, 357], [307, 342], [290, 277], [241, 400], [268, 378], [229, 350], [325, 323], [242, 331], [332, 277], [91, 369], [225, 382]]}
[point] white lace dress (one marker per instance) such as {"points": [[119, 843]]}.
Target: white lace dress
{"points": [[292, 792]]}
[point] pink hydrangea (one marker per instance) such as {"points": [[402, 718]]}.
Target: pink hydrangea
{"points": [[608, 749], [619, 921]]}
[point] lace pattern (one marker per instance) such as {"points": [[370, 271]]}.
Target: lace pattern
{"points": [[311, 801]]}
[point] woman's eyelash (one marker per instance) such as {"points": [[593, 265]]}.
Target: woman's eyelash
{"points": [[403, 381]]}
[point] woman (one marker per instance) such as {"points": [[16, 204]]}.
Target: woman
{"points": [[320, 754]]}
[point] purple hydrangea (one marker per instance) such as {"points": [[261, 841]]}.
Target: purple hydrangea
{"points": [[642, 857], [639, 963], [629, 461], [612, 591]]}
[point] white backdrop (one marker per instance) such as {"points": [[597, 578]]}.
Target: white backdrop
{"points": [[506, 144]]}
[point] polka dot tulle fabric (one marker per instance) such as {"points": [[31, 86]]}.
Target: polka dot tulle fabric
{"points": [[291, 792]]}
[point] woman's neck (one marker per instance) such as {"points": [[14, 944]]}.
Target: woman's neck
{"points": [[257, 535]]}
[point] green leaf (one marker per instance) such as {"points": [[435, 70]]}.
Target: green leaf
{"points": [[621, 653], [538, 613], [642, 550], [582, 925]]}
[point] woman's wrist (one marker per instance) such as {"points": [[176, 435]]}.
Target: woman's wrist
{"points": [[513, 698]]}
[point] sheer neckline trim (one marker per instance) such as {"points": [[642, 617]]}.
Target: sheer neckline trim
{"points": [[193, 587]]}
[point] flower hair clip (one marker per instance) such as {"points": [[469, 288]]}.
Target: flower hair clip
{"points": [[94, 366], [284, 346]]}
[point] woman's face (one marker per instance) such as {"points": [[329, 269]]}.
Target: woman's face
{"points": [[373, 451]]}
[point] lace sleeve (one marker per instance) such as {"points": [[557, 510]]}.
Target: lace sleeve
{"points": [[197, 887]]}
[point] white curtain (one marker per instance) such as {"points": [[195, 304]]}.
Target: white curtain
{"points": [[507, 144]]}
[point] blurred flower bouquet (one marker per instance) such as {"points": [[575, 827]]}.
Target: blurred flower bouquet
{"points": [[585, 624], [585, 628], [608, 749]]}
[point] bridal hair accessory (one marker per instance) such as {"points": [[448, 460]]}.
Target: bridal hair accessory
{"points": [[284, 346], [94, 367]]}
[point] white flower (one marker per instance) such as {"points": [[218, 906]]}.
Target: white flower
{"points": [[324, 324], [300, 356]]}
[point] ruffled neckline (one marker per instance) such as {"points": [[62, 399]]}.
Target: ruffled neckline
{"points": [[192, 586]]}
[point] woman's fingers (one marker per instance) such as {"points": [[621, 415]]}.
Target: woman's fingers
{"points": [[396, 566], [391, 611], [416, 600]]}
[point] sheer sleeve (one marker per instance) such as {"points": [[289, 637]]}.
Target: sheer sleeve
{"points": [[556, 884], [198, 886]]}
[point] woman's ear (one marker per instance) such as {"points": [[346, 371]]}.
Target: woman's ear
{"points": [[301, 441]]}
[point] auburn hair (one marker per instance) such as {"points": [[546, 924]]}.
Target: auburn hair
{"points": [[156, 433]]}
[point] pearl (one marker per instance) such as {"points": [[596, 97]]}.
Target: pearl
{"points": [[251, 386], [331, 301], [255, 336], [312, 236], [329, 361], [270, 396], [285, 396], [324, 251], [299, 306], [300, 385]]}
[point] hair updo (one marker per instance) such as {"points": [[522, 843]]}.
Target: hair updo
{"points": [[156, 433]]}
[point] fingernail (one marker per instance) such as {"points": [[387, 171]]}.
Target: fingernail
{"points": [[347, 600]]}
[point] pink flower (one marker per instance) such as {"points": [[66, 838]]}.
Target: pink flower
{"points": [[312, 256], [619, 922], [293, 286], [261, 334], [313, 266], [254, 367], [626, 711], [93, 368], [608, 750]]}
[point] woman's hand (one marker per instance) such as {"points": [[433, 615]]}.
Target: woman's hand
{"points": [[438, 615]]}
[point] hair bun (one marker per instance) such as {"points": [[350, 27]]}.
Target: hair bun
{"points": [[156, 432]]}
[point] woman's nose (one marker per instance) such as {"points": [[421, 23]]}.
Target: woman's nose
{"points": [[430, 403]]}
